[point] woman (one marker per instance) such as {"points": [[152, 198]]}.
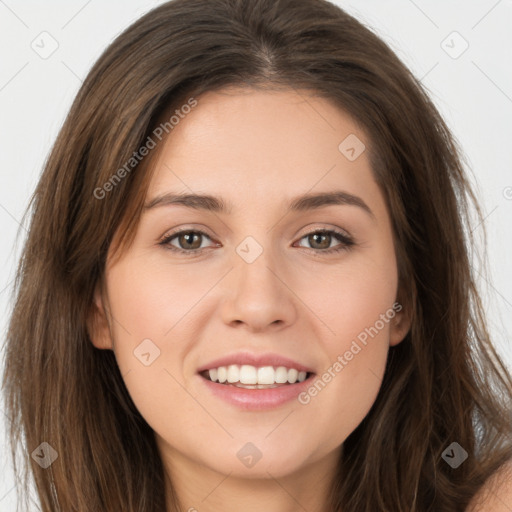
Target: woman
{"points": [[246, 284]]}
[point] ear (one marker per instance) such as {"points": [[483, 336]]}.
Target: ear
{"points": [[400, 324], [98, 325]]}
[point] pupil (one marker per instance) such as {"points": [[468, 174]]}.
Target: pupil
{"points": [[322, 235], [191, 235]]}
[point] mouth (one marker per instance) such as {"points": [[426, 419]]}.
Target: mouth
{"points": [[253, 377], [256, 387]]}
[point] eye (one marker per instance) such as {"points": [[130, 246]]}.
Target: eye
{"points": [[320, 241], [189, 241]]}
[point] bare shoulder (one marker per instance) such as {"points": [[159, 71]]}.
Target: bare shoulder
{"points": [[496, 494]]}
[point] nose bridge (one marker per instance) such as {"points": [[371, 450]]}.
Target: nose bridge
{"points": [[258, 294]]}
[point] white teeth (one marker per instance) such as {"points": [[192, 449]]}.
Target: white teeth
{"points": [[281, 375], [233, 373], [266, 375], [254, 377], [292, 375], [248, 375], [222, 374]]}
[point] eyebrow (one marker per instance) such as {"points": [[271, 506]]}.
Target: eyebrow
{"points": [[298, 204]]}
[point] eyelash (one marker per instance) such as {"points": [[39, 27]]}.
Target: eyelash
{"points": [[346, 242]]}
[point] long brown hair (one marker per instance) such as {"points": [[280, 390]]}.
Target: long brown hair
{"points": [[444, 383]]}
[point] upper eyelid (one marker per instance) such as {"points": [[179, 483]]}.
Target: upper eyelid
{"points": [[321, 227]]}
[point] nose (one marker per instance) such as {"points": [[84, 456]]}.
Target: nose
{"points": [[258, 296]]}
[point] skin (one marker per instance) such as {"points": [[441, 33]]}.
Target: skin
{"points": [[495, 494], [258, 150]]}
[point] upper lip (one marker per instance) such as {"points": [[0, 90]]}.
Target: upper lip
{"points": [[268, 359]]}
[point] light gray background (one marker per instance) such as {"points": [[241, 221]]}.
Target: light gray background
{"points": [[473, 91]]}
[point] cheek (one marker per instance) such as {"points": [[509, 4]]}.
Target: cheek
{"points": [[350, 296], [149, 299], [356, 305], [343, 394], [149, 307]]}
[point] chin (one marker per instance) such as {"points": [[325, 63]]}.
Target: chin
{"points": [[259, 460]]}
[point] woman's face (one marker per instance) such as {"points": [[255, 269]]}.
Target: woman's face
{"points": [[261, 295]]}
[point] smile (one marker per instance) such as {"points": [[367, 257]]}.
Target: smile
{"points": [[252, 377]]}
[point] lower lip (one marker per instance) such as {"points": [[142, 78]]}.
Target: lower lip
{"points": [[257, 399]]}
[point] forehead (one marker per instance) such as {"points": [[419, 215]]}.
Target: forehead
{"points": [[253, 145]]}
